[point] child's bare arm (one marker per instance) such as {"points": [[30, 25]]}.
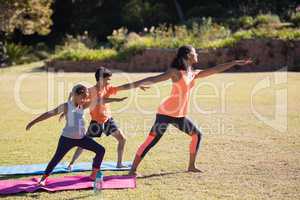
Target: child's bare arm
{"points": [[109, 100], [60, 109], [103, 101]]}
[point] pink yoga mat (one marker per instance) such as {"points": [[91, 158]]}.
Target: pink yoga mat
{"points": [[65, 183]]}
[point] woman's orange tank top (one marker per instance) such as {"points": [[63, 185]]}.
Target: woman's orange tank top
{"points": [[177, 104]]}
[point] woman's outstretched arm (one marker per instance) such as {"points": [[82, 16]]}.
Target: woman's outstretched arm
{"points": [[149, 80], [222, 67]]}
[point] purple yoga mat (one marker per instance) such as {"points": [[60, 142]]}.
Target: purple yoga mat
{"points": [[65, 183]]}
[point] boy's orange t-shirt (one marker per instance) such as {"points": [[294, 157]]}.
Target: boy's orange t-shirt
{"points": [[100, 112]]}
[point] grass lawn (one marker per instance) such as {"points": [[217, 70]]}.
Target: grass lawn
{"points": [[242, 156]]}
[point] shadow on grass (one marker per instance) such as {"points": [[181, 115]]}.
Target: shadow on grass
{"points": [[82, 197], [37, 195], [162, 174], [39, 69], [23, 194], [7, 177]]}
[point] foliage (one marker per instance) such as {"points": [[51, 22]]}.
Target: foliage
{"points": [[246, 22], [137, 13], [28, 16], [118, 38], [85, 54], [144, 24], [267, 20], [77, 48], [206, 34], [17, 54], [295, 18]]}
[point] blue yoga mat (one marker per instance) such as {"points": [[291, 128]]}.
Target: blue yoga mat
{"points": [[37, 169]]}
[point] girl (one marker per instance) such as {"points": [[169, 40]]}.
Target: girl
{"points": [[73, 133], [174, 109]]}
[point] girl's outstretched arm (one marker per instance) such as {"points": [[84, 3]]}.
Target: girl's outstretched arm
{"points": [[148, 81], [222, 67], [61, 108]]}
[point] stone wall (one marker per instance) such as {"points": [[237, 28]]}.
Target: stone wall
{"points": [[269, 55]]}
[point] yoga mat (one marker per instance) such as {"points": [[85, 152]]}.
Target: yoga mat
{"points": [[38, 169], [65, 183]]}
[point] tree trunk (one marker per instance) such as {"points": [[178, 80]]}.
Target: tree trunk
{"points": [[179, 11]]}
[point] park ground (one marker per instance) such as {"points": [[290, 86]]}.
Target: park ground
{"points": [[241, 155]]}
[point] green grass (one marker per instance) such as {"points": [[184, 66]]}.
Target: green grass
{"points": [[248, 160]]}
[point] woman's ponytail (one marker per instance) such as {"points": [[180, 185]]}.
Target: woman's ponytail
{"points": [[180, 61]]}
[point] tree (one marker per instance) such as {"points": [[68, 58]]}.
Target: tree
{"points": [[179, 10], [137, 14], [29, 16]]}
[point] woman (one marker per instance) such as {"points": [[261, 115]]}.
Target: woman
{"points": [[174, 109]]}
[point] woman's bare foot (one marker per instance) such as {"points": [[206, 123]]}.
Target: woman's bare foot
{"points": [[194, 169], [134, 173]]}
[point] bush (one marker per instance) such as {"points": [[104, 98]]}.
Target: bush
{"points": [[85, 54], [242, 35], [246, 22], [267, 20], [81, 40], [17, 54], [124, 54], [265, 33], [3, 55], [196, 34], [41, 51], [201, 33], [295, 18], [220, 43], [289, 34], [212, 31], [118, 38], [283, 34], [14, 54], [76, 49]]}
